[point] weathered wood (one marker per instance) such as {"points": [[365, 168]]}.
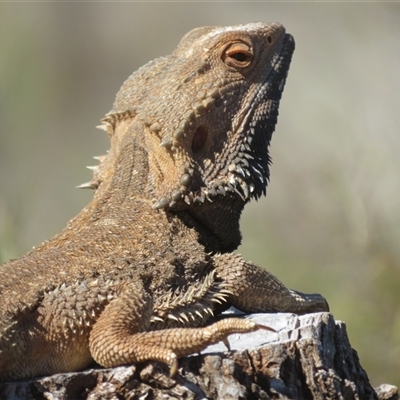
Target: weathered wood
{"points": [[309, 357]]}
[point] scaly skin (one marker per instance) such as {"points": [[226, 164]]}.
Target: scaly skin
{"points": [[139, 272]]}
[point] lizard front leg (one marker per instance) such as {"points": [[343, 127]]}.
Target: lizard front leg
{"points": [[256, 290], [120, 334]]}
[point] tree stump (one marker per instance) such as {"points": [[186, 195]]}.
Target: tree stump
{"points": [[309, 357]]}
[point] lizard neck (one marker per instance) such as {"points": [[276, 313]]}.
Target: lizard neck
{"points": [[132, 185]]}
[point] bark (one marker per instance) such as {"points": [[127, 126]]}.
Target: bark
{"points": [[309, 357]]}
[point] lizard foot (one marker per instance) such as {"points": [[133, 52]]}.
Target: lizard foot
{"points": [[165, 345]]}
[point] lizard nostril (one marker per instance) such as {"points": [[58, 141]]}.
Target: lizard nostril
{"points": [[269, 39], [199, 138]]}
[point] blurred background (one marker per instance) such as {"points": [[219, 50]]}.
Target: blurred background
{"points": [[331, 220]]}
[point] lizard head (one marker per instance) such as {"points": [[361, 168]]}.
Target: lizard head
{"points": [[204, 117]]}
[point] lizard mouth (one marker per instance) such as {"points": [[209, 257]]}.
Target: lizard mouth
{"points": [[246, 157]]}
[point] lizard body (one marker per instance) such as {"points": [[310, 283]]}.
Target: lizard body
{"points": [[138, 274]]}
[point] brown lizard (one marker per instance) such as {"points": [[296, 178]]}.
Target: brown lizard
{"points": [[138, 274]]}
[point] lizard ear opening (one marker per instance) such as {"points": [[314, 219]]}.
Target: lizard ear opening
{"points": [[199, 138]]}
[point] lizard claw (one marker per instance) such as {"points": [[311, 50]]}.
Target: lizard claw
{"points": [[173, 367], [265, 328], [226, 343]]}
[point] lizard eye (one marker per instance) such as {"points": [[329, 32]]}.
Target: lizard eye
{"points": [[238, 55]]}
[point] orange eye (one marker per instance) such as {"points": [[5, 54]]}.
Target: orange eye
{"points": [[238, 55]]}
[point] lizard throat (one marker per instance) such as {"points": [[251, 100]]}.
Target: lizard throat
{"points": [[217, 224]]}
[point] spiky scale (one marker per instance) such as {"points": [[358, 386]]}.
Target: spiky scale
{"points": [[88, 185], [166, 142], [102, 127], [162, 203]]}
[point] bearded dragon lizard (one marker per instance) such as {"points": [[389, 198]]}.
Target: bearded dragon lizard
{"points": [[139, 273]]}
